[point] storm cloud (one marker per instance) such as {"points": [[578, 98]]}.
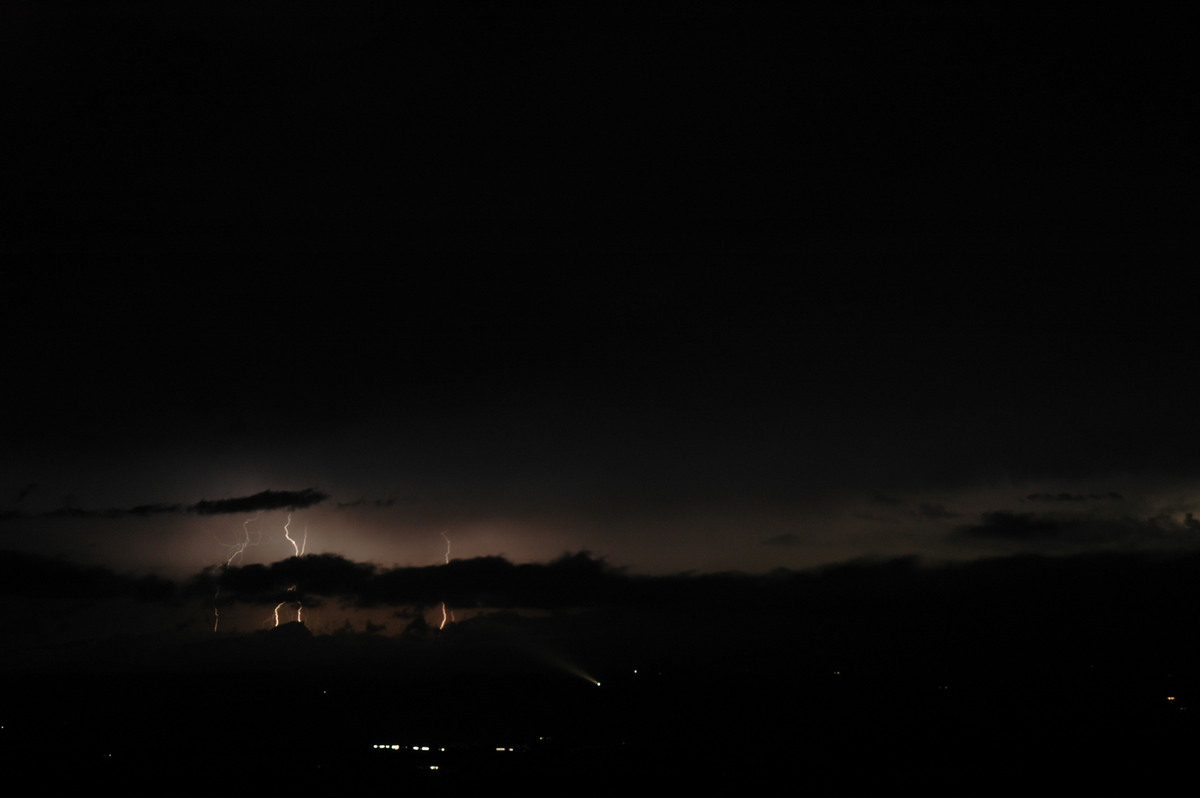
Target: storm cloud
{"points": [[261, 501], [1065, 531], [264, 500]]}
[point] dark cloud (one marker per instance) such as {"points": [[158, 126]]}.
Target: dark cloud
{"points": [[786, 539], [887, 591], [1073, 497], [141, 511], [320, 574], [571, 580], [1006, 525], [25, 574], [265, 500], [890, 501], [1066, 532], [936, 511], [25, 491], [76, 512]]}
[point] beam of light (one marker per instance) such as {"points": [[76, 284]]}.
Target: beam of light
{"points": [[304, 542], [447, 546], [277, 606], [570, 668], [295, 548]]}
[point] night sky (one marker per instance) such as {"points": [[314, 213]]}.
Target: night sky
{"points": [[633, 306], [668, 413]]}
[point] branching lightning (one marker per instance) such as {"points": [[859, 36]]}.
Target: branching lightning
{"points": [[238, 549], [235, 550]]}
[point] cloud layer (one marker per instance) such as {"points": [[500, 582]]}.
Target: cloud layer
{"points": [[258, 502]]}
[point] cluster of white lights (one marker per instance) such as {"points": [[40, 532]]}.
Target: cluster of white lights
{"points": [[397, 747]]}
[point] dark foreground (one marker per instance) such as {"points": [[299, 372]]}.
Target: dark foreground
{"points": [[981, 678], [829, 733]]}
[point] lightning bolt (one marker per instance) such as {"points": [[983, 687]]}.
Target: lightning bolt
{"points": [[289, 537], [446, 615], [297, 551], [235, 550], [299, 607], [238, 549]]}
